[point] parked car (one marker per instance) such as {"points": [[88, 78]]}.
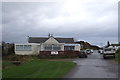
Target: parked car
{"points": [[82, 54], [92, 50], [109, 52], [100, 51], [88, 51]]}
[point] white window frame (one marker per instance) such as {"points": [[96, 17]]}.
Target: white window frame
{"points": [[23, 48]]}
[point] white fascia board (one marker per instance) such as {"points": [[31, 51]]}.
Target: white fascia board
{"points": [[26, 44], [71, 44], [50, 44]]}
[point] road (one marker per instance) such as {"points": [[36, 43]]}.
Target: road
{"points": [[94, 67]]}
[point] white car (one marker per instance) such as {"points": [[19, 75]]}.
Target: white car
{"points": [[88, 51], [109, 52], [100, 51]]}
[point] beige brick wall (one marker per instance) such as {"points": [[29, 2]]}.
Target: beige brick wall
{"points": [[34, 50], [77, 48]]}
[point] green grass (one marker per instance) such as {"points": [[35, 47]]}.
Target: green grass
{"points": [[118, 57], [0, 69], [39, 69], [7, 64]]}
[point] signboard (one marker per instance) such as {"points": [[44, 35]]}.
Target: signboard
{"points": [[54, 52]]}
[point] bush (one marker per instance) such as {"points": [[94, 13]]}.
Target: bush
{"points": [[20, 57], [118, 55]]}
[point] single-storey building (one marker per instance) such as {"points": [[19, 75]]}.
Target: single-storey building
{"points": [[37, 44]]}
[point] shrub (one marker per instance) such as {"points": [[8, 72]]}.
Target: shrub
{"points": [[20, 57], [118, 55]]}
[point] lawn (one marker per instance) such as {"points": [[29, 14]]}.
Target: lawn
{"points": [[39, 69], [118, 57], [0, 69]]}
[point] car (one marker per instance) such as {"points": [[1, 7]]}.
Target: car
{"points": [[100, 51], [92, 50], [82, 54], [88, 51], [109, 52]]}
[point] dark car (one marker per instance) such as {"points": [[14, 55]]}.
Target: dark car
{"points": [[82, 54]]}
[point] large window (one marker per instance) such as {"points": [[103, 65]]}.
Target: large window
{"points": [[48, 48], [23, 47], [52, 48], [19, 47], [56, 48], [69, 48]]}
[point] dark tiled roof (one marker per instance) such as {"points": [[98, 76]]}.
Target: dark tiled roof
{"points": [[43, 39], [37, 39], [65, 40]]}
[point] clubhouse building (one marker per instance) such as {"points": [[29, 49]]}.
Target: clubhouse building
{"points": [[36, 45]]}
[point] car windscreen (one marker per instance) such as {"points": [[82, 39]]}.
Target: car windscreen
{"points": [[109, 49]]}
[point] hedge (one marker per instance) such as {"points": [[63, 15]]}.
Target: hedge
{"points": [[61, 54]]}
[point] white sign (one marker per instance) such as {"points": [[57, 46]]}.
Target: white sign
{"points": [[54, 52]]}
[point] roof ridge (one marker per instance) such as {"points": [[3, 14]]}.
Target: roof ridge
{"points": [[48, 37], [43, 39], [38, 37], [61, 37]]}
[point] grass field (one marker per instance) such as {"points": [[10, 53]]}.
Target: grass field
{"points": [[118, 57], [0, 69], [38, 69]]}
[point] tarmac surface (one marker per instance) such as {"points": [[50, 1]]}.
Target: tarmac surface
{"points": [[94, 67]]}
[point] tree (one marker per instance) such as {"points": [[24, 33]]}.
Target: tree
{"points": [[7, 48]]}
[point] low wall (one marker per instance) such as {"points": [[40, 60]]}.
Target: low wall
{"points": [[59, 54], [23, 52]]}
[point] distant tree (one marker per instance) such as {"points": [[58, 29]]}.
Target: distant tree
{"points": [[7, 49], [3, 48], [94, 47], [87, 45], [11, 49], [3, 42]]}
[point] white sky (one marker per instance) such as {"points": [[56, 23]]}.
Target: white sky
{"points": [[95, 21]]}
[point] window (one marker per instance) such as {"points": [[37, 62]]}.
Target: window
{"points": [[48, 48], [56, 48], [108, 49], [52, 48], [69, 48], [23, 47], [19, 47], [27, 47]]}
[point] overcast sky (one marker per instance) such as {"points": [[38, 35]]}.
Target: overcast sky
{"points": [[95, 21]]}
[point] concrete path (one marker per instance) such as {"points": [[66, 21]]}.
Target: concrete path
{"points": [[94, 67]]}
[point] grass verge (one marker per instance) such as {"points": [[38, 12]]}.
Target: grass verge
{"points": [[38, 69], [118, 57]]}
